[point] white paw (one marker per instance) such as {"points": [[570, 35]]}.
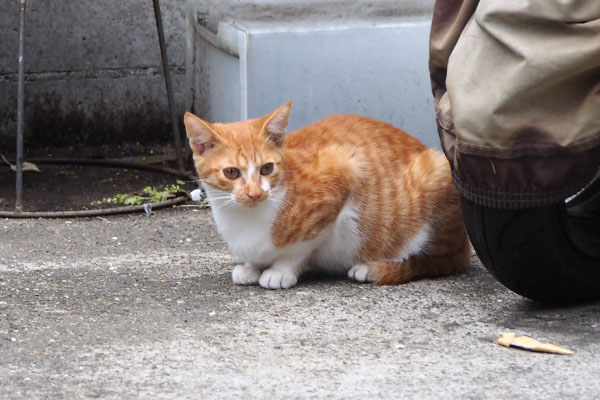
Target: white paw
{"points": [[360, 273], [245, 275], [271, 279]]}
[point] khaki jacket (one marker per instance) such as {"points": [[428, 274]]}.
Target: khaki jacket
{"points": [[517, 96]]}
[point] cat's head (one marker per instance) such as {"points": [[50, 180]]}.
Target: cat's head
{"points": [[244, 159]]}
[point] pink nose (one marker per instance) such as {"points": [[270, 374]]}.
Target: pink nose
{"points": [[254, 195]]}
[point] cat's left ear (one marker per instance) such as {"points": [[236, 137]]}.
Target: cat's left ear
{"points": [[201, 136], [276, 125]]}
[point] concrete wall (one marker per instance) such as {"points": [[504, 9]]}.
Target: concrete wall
{"points": [[93, 71], [326, 56]]}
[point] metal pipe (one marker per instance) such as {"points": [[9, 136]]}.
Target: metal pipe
{"points": [[168, 83], [148, 207], [103, 211], [20, 109]]}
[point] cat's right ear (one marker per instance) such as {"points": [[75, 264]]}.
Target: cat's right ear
{"points": [[201, 136], [276, 124]]}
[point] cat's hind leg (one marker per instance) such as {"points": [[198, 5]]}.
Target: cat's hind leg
{"points": [[415, 267]]}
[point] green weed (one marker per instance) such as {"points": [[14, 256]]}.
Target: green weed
{"points": [[150, 194]]}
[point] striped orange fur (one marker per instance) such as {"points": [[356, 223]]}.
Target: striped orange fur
{"points": [[346, 193]]}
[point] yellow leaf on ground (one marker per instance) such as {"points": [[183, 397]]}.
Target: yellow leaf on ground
{"points": [[27, 166], [510, 339]]}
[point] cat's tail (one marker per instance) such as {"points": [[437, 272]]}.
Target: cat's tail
{"points": [[421, 266], [437, 202]]}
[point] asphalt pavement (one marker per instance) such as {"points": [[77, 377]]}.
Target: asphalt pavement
{"points": [[142, 307]]}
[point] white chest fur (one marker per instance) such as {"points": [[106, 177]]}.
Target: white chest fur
{"points": [[247, 231]]}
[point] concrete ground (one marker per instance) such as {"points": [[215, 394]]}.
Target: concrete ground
{"points": [[143, 307]]}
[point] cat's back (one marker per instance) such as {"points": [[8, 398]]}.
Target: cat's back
{"points": [[361, 133], [351, 171]]}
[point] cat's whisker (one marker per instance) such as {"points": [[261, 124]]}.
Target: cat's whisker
{"points": [[222, 200], [218, 194], [225, 205], [219, 198], [282, 199], [229, 202]]}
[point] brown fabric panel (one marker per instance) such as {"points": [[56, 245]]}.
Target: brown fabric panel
{"points": [[525, 182], [528, 141]]}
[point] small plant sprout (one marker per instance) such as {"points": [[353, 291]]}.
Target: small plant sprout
{"points": [[150, 194]]}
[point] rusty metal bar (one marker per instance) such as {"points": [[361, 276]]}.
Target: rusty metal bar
{"points": [[20, 110], [168, 83]]}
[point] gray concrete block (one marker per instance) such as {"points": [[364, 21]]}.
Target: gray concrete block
{"points": [[327, 57], [90, 63], [93, 111], [72, 35]]}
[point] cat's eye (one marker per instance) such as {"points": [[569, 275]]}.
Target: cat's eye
{"points": [[231, 173], [267, 169]]}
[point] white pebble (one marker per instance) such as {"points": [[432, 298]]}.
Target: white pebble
{"points": [[196, 195]]}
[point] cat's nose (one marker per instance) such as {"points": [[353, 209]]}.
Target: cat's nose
{"points": [[254, 195]]}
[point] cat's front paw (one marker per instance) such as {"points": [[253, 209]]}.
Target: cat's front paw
{"points": [[245, 274], [361, 273], [272, 279]]}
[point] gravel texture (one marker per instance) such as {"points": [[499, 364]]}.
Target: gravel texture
{"points": [[142, 306]]}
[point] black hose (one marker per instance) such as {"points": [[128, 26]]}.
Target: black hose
{"points": [[148, 207], [103, 211]]}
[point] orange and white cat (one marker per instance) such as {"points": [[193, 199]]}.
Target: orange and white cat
{"points": [[345, 194]]}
